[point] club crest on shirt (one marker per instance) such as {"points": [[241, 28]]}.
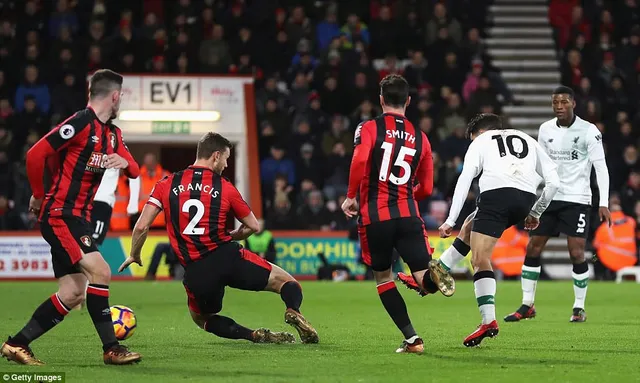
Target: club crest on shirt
{"points": [[85, 240], [112, 139]]}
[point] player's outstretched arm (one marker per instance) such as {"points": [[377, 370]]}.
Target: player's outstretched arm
{"points": [[470, 170], [548, 170], [139, 235]]}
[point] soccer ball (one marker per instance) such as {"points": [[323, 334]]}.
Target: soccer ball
{"points": [[124, 321]]}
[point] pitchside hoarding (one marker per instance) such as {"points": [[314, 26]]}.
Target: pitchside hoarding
{"points": [[27, 256]]}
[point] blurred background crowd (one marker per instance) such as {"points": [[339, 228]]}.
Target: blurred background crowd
{"points": [[316, 66]]}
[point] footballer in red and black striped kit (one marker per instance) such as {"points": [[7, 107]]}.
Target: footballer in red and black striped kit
{"points": [[196, 202], [391, 170], [76, 153]]}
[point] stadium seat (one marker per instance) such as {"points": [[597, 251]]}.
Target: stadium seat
{"points": [[632, 270]]}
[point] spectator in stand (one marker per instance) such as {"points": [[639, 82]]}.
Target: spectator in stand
{"points": [[30, 120], [560, 16], [310, 166], [62, 16], [452, 117], [631, 192], [32, 86], [337, 171], [355, 30], [572, 71], [384, 34], [67, 98], [281, 216], [314, 215], [338, 133], [327, 30], [440, 20], [276, 164], [418, 73], [215, 56]]}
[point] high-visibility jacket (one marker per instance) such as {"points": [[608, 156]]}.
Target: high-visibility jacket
{"points": [[508, 255], [147, 183], [119, 217], [616, 245]]}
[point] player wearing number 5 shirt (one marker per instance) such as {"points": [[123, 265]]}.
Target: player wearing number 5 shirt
{"points": [[392, 169]]}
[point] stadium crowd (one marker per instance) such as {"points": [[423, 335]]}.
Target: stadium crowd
{"points": [[319, 85]]}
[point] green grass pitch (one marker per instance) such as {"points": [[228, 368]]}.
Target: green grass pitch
{"points": [[357, 338]]}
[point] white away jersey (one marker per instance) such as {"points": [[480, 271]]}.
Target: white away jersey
{"points": [[573, 149], [506, 159]]}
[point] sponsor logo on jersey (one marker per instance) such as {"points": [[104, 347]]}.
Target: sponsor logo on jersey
{"points": [[96, 162]]}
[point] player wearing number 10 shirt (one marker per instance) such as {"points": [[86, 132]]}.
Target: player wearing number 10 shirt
{"points": [[510, 164], [196, 202], [392, 169]]}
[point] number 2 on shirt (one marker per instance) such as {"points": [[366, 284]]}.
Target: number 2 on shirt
{"points": [[400, 161]]}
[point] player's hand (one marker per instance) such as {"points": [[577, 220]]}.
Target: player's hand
{"points": [[605, 215], [350, 207], [531, 223], [35, 204], [131, 259], [115, 161], [445, 230]]}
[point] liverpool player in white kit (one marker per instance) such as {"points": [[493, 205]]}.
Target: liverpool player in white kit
{"points": [[575, 145], [510, 164], [105, 199]]}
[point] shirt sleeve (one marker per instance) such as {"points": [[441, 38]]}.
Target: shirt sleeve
{"points": [[547, 169], [363, 142], [597, 158], [133, 170], [424, 174], [470, 170], [239, 206], [157, 193], [55, 141]]}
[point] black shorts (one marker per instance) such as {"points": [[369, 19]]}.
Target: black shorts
{"points": [[69, 238], [407, 235], [569, 218], [229, 265], [100, 217], [499, 209]]}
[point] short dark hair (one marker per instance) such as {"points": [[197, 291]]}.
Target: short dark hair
{"points": [[211, 143], [395, 90], [484, 121], [564, 90], [104, 81]]}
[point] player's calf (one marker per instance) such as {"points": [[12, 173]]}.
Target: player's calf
{"points": [[291, 294]]}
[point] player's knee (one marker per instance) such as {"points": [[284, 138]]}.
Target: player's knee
{"points": [[577, 256], [199, 319], [72, 296], [480, 262], [534, 250]]}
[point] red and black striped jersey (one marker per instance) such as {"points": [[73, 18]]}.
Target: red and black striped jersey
{"points": [[73, 154], [391, 169], [196, 202]]}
